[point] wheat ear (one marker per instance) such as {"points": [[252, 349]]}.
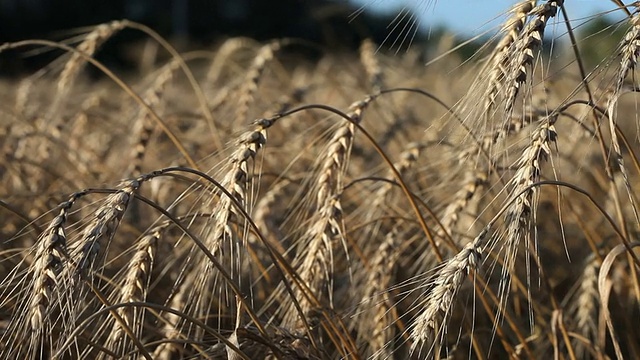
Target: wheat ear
{"points": [[171, 329], [371, 65], [238, 175], [223, 53], [529, 41], [629, 51], [34, 314], [520, 214], [72, 67], [374, 316], [134, 289], [473, 186], [408, 159], [102, 228], [77, 155], [314, 264], [265, 217], [219, 232], [439, 303], [49, 262], [586, 305], [518, 219], [499, 62], [375, 312], [252, 80], [144, 123], [88, 47]]}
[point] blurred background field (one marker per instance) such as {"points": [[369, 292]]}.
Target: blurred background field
{"points": [[396, 25]]}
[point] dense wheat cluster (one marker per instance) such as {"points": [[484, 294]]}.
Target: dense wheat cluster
{"points": [[251, 201]]}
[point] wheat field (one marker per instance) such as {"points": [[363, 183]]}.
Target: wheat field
{"points": [[248, 202]]}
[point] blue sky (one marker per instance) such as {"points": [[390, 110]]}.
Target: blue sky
{"points": [[474, 16]]}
